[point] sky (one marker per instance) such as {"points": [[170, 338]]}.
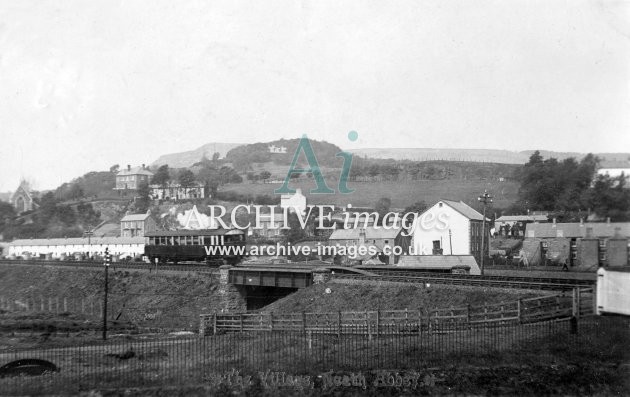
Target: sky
{"points": [[88, 84]]}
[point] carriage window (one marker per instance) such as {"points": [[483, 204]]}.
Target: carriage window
{"points": [[195, 240], [202, 240]]}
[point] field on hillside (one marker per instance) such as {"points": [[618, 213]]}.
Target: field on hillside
{"points": [[402, 194]]}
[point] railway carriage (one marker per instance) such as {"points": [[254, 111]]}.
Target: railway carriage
{"points": [[195, 245]]}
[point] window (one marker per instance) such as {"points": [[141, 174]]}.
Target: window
{"points": [[602, 256], [602, 243]]}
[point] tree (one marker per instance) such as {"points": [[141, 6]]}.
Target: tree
{"points": [[87, 216], [610, 197], [265, 175], [7, 214], [162, 176], [114, 168], [382, 208], [143, 201], [554, 185]]}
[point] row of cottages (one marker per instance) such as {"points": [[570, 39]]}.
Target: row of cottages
{"points": [[80, 247], [175, 191], [583, 246]]}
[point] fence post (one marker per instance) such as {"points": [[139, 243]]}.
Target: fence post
{"points": [[65, 304], [518, 310], [378, 322], [367, 324], [270, 322], [43, 306], [468, 313], [304, 322], [214, 323], [241, 322], [339, 323], [557, 304]]}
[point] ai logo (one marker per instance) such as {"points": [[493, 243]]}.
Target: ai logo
{"points": [[305, 146]]}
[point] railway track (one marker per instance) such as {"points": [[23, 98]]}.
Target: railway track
{"points": [[516, 279], [538, 283], [480, 281], [116, 265]]}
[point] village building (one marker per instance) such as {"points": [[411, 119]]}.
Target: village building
{"points": [[514, 225], [22, 198], [132, 178], [379, 237], [269, 227], [450, 228], [294, 202], [175, 191], [615, 172], [136, 225], [277, 149], [580, 245]]}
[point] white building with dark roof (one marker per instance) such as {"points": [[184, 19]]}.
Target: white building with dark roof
{"points": [[449, 228]]}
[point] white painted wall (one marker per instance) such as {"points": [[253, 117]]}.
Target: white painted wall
{"points": [[435, 224], [613, 292]]}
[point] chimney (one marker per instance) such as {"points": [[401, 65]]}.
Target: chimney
{"points": [[143, 167], [554, 222], [581, 221], [608, 220], [128, 167]]}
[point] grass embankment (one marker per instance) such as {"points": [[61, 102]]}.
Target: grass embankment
{"points": [[136, 298], [390, 296]]}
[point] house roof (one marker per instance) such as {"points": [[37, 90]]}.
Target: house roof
{"points": [[464, 209], [522, 218], [440, 262], [200, 232], [371, 233], [134, 171], [576, 230], [135, 217], [79, 241]]}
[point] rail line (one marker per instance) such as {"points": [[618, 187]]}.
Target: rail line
{"points": [[522, 282], [122, 265], [481, 281]]}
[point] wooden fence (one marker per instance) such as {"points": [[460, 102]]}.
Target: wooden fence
{"points": [[578, 303]]}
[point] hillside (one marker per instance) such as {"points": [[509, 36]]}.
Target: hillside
{"points": [[479, 155], [188, 158]]}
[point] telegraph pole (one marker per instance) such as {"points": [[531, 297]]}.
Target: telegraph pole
{"points": [[485, 198], [108, 261], [89, 234]]}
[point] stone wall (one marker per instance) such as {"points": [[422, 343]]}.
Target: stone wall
{"points": [[617, 252], [587, 253]]}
